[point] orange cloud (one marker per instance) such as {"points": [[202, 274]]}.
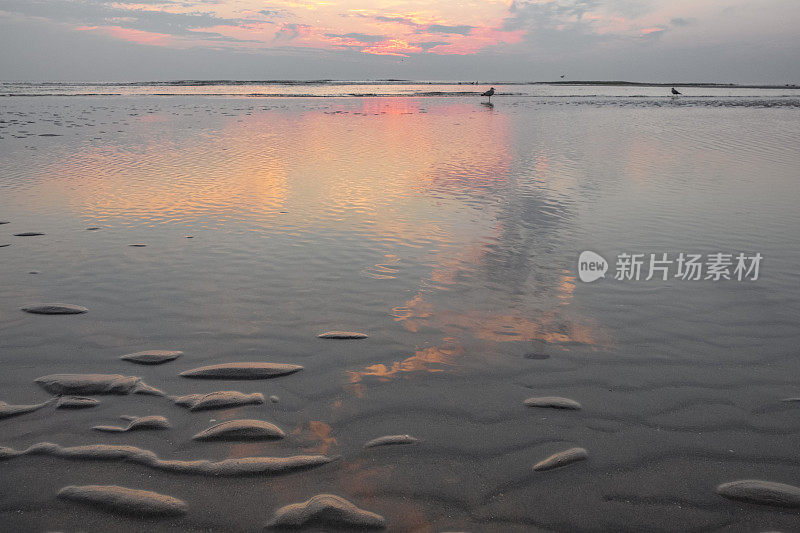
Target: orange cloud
{"points": [[393, 47]]}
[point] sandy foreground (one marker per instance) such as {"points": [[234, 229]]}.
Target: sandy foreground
{"points": [[366, 312]]}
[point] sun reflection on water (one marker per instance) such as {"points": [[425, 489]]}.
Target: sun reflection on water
{"points": [[431, 184]]}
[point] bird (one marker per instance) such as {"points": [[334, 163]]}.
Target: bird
{"points": [[675, 91], [562, 76], [489, 93]]}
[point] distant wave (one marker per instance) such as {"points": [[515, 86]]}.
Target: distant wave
{"points": [[204, 83], [591, 100], [387, 81]]}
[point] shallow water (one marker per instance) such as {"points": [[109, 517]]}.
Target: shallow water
{"points": [[449, 232], [383, 88]]}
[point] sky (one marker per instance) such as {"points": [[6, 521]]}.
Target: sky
{"points": [[723, 41]]}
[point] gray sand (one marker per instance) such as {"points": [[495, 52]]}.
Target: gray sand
{"points": [[448, 232]]}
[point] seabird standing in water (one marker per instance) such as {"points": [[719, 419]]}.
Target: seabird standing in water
{"points": [[675, 91], [489, 93]]}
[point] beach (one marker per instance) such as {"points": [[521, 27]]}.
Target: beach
{"points": [[237, 229]]}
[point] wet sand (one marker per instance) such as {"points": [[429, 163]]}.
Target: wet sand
{"points": [[416, 257]]}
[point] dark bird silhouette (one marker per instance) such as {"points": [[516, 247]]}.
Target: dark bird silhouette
{"points": [[675, 91], [563, 75], [489, 93]]}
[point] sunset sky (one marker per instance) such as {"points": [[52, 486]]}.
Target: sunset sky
{"points": [[518, 40]]}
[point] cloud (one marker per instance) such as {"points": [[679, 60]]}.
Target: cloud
{"points": [[556, 28], [274, 12], [419, 26], [463, 39], [653, 33], [182, 23], [440, 28], [520, 39], [89, 13], [399, 20], [530, 15], [629, 9], [427, 45], [393, 47], [360, 37], [141, 2], [133, 36], [540, 28], [288, 32]]}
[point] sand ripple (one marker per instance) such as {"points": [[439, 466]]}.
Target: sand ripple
{"points": [[95, 384], [151, 357], [242, 371], [567, 457], [7, 410], [124, 500], [218, 400], [762, 492], [326, 510], [136, 423], [342, 335], [389, 440], [241, 430], [132, 454], [555, 402], [75, 402], [55, 309]]}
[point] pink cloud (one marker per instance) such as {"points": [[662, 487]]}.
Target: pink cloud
{"points": [[480, 37], [134, 36], [401, 33]]}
